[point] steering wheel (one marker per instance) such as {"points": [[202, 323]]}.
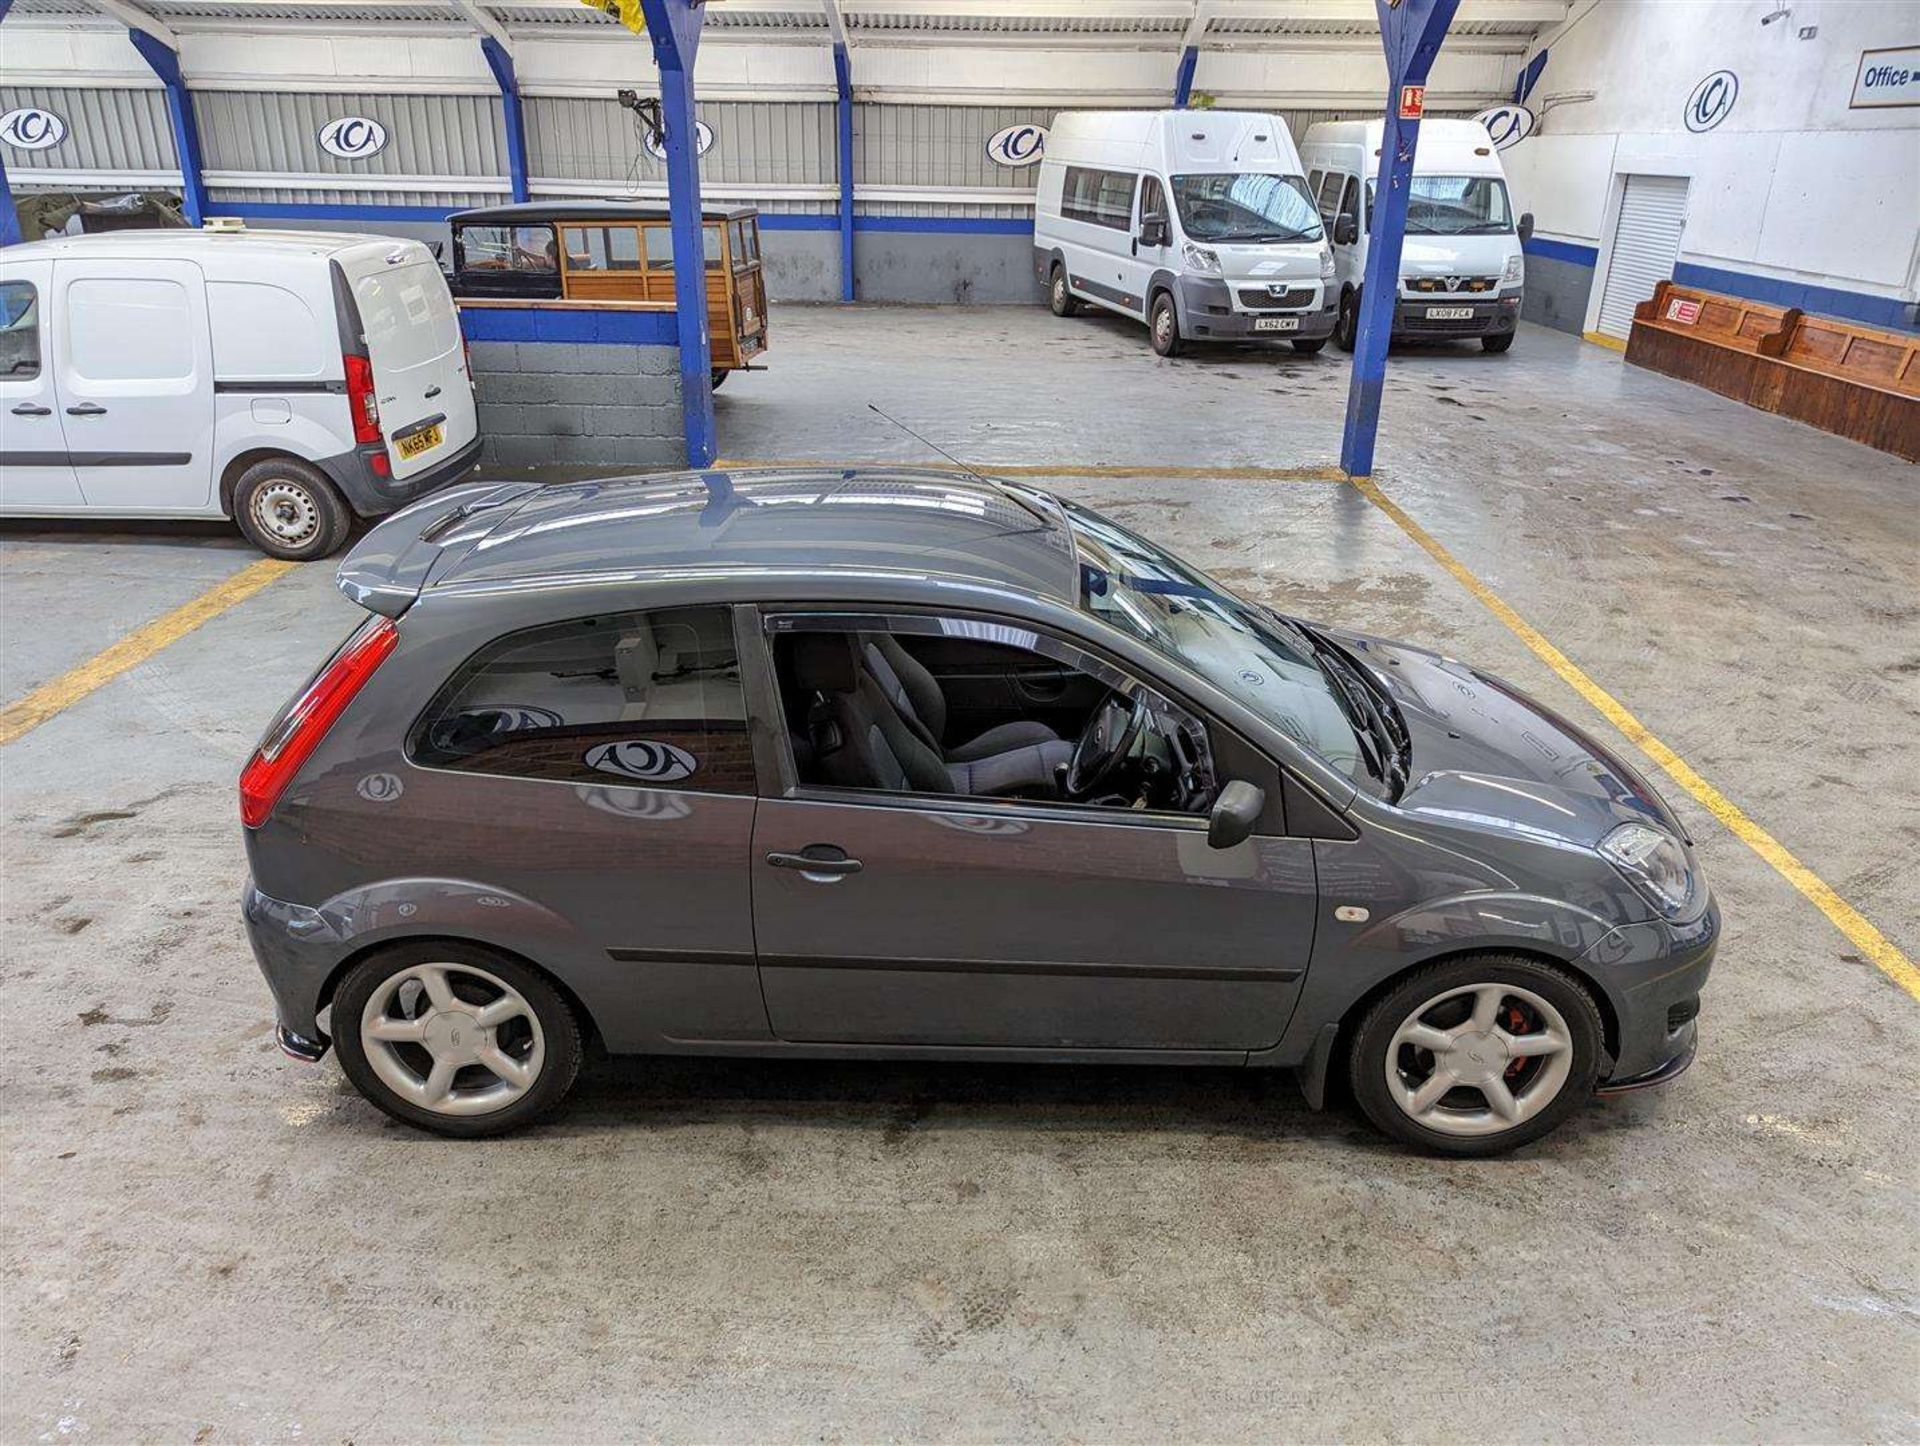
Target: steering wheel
{"points": [[1104, 743]]}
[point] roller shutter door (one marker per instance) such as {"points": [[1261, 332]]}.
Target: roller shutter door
{"points": [[1646, 242]]}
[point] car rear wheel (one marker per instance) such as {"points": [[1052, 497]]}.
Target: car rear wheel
{"points": [[455, 1038], [288, 509], [1060, 299], [1164, 322], [1476, 1056]]}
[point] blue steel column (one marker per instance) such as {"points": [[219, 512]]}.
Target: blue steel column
{"points": [[1183, 77], [843, 84], [186, 130], [504, 76], [1411, 31], [674, 28], [9, 217]]}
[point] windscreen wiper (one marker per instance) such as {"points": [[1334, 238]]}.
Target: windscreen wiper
{"points": [[1392, 738]]}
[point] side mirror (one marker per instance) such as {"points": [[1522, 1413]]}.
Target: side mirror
{"points": [[1346, 231], [1153, 232], [1526, 225], [1235, 812]]}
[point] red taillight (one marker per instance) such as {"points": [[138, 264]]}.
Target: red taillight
{"points": [[361, 401], [305, 723]]}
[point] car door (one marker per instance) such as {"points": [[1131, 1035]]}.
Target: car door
{"points": [[419, 362], [36, 475], [134, 371], [1152, 234], [949, 920]]}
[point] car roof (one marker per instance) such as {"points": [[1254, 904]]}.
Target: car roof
{"points": [[530, 212], [819, 520], [190, 244]]}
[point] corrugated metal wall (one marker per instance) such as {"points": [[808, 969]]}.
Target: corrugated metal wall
{"points": [[938, 145], [427, 135], [107, 129], [777, 143]]}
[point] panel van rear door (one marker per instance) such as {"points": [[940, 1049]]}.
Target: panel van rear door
{"points": [[419, 365]]}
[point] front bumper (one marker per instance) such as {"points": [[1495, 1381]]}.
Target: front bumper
{"points": [[1207, 313], [1490, 316], [372, 495], [1653, 974]]}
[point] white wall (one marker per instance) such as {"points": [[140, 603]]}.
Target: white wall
{"points": [[1792, 185]]}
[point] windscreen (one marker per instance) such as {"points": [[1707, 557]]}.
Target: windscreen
{"points": [[1249, 206], [1455, 206]]}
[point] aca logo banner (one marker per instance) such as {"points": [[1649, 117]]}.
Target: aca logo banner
{"points": [[31, 129], [702, 141], [353, 137], [1507, 125], [1017, 145], [1712, 100]]}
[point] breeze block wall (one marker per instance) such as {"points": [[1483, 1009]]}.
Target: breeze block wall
{"points": [[576, 385]]}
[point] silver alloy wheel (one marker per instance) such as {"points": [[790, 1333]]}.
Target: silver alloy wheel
{"points": [[286, 512], [452, 1038], [1461, 1044]]}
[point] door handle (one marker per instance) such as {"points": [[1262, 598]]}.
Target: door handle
{"points": [[32, 409], [87, 409], [432, 392], [832, 868]]}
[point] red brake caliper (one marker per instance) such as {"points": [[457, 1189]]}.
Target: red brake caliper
{"points": [[1516, 1024]]}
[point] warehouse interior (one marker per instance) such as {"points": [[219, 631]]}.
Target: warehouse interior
{"points": [[1679, 511]]}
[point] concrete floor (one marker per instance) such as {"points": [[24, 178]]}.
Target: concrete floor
{"points": [[204, 1241]]}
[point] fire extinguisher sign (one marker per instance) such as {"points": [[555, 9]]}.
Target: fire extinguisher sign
{"points": [[1413, 101]]}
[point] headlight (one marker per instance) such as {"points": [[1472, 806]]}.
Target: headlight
{"points": [[1516, 269], [1200, 259], [1656, 864], [1326, 266]]}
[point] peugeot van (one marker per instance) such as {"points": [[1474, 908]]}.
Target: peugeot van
{"points": [[1197, 222], [1461, 270], [286, 380]]}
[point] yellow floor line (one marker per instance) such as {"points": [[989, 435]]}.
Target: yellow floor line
{"points": [[1067, 469], [1600, 338], [1848, 920], [135, 648]]}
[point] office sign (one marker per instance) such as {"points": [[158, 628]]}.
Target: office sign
{"points": [[353, 137], [1712, 100], [1017, 145], [1887, 78], [31, 129]]}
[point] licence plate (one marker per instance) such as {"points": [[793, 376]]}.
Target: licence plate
{"points": [[1276, 323], [424, 440], [1449, 313]]}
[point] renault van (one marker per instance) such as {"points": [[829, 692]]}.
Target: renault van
{"points": [[1197, 222], [1461, 271], [286, 380]]}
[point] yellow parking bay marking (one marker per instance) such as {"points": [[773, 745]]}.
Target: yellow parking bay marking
{"points": [[1600, 338], [135, 648], [1848, 920], [1068, 469]]}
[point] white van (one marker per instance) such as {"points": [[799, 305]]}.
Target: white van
{"points": [[1197, 222], [1461, 271], [277, 378]]}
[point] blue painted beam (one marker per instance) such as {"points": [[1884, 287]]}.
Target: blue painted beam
{"points": [[1183, 77], [1411, 32], [9, 217], [186, 130], [843, 85], [504, 76], [674, 28]]}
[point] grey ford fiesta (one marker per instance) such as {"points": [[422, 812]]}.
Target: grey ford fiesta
{"points": [[903, 764]]}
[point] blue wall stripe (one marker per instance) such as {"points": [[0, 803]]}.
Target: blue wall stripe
{"points": [[571, 326], [799, 221], [1885, 311], [948, 225], [1561, 251]]}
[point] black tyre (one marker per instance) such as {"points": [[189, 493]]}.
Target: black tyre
{"points": [[1060, 299], [288, 509], [1163, 322], [1346, 326], [1497, 343], [1308, 345], [1477, 1055], [455, 1038], [720, 374]]}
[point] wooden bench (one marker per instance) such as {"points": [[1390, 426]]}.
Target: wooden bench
{"points": [[1857, 381]]}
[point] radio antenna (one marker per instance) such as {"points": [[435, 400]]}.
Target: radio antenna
{"points": [[1019, 497], [931, 447]]}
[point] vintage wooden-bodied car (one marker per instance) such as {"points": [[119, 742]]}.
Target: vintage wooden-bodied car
{"points": [[615, 251]]}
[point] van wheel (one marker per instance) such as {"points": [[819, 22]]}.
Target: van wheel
{"points": [[1496, 343], [1346, 326], [1060, 300], [288, 509], [1308, 345], [1164, 322]]}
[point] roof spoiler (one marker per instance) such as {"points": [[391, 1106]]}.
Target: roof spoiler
{"points": [[385, 573]]}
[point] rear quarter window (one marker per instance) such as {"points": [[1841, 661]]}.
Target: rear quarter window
{"points": [[266, 332], [643, 699], [406, 315]]}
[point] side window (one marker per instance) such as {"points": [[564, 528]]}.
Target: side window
{"points": [[659, 248], [506, 248], [710, 246], [960, 707], [649, 700], [623, 248], [535, 250], [1103, 198], [1153, 200], [1350, 200], [128, 329], [1314, 177], [19, 330], [586, 248], [1329, 195]]}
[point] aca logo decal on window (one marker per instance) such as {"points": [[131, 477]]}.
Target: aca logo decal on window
{"points": [[31, 129], [1712, 100], [1507, 125], [643, 759], [1017, 145], [702, 141], [353, 137]]}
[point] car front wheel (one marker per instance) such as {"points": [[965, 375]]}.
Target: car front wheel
{"points": [[1478, 1055], [1164, 321], [455, 1038]]}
